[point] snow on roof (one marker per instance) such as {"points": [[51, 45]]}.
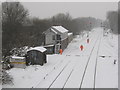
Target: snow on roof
{"points": [[53, 31], [17, 57], [41, 49], [60, 29], [48, 45], [70, 34]]}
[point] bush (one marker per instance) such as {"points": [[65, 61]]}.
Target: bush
{"points": [[6, 78]]}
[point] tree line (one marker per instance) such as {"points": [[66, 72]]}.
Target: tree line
{"points": [[19, 29], [113, 18]]}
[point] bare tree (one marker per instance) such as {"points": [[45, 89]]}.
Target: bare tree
{"points": [[13, 16]]}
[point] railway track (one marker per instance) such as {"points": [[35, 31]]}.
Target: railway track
{"points": [[52, 70], [96, 63], [89, 61], [69, 74], [58, 75], [70, 71]]}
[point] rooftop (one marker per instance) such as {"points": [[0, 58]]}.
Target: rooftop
{"points": [[17, 57], [41, 49], [60, 29]]}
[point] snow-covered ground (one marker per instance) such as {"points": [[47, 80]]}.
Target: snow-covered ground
{"points": [[75, 68], [107, 71]]}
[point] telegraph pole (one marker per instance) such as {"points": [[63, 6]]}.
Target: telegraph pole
{"points": [[112, 33], [103, 29]]}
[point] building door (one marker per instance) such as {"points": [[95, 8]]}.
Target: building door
{"points": [[57, 48]]}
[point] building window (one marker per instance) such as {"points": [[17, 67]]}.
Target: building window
{"points": [[58, 37], [53, 37]]}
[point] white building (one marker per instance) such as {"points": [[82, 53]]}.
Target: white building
{"points": [[54, 36]]}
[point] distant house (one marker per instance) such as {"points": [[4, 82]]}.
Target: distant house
{"points": [[56, 36], [17, 62], [36, 56]]}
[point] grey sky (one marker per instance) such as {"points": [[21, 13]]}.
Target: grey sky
{"points": [[78, 9]]}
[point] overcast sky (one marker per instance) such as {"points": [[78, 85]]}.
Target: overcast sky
{"points": [[78, 9]]}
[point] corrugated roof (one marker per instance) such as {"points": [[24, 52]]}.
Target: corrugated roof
{"points": [[60, 29], [41, 49]]}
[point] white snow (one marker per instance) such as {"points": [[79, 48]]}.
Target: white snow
{"points": [[60, 29], [107, 71], [70, 34], [72, 69], [48, 45], [41, 49], [54, 31], [17, 57]]}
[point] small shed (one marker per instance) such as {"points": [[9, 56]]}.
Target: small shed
{"points": [[18, 62], [36, 56]]}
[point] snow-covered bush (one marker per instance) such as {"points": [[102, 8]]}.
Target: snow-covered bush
{"points": [[19, 51], [6, 78]]}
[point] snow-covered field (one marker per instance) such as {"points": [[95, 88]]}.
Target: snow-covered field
{"points": [[91, 68]]}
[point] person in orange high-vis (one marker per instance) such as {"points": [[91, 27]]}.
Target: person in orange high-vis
{"points": [[61, 51], [81, 47]]}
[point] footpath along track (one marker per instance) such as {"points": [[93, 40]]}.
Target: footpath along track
{"points": [[64, 67]]}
